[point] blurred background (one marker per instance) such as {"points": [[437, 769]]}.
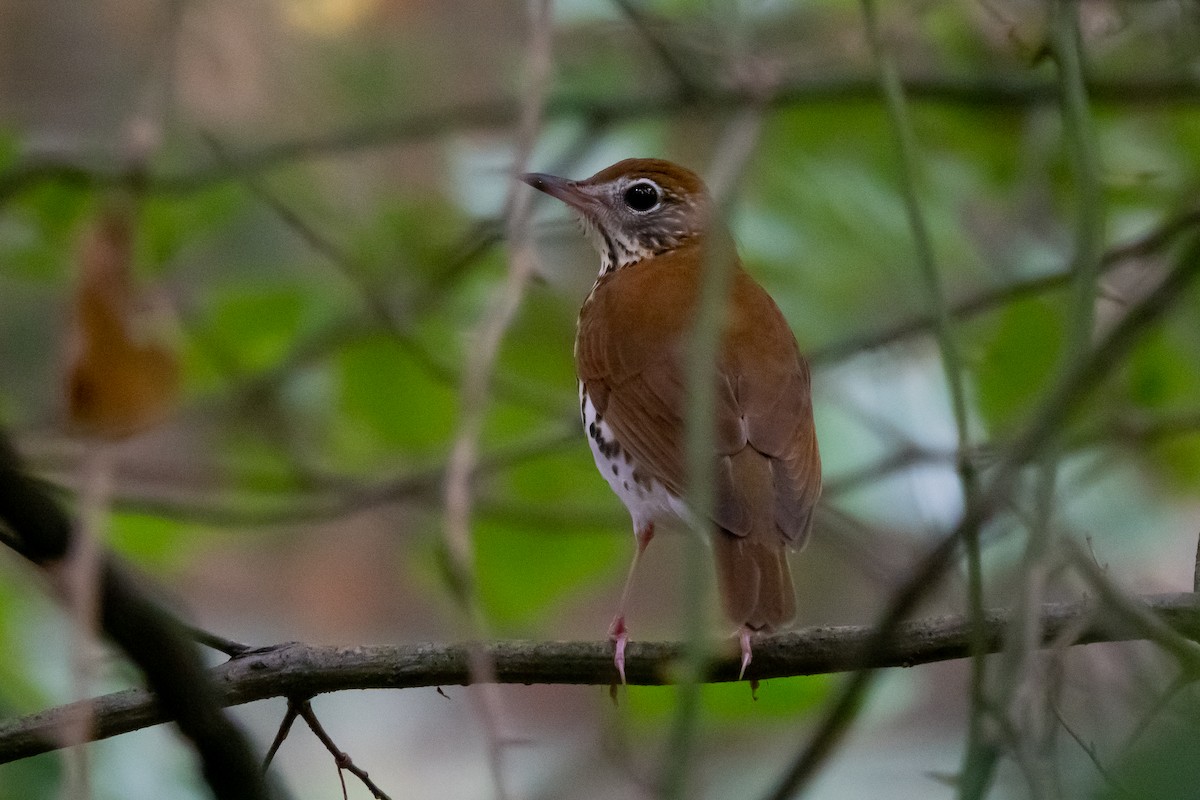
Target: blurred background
{"points": [[314, 195]]}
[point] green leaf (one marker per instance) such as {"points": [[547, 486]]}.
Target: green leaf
{"points": [[170, 222], [1177, 460], [150, 540], [526, 572], [1164, 763], [408, 238], [539, 346], [256, 325], [390, 401], [38, 231], [778, 700], [566, 477], [1019, 360], [1162, 373]]}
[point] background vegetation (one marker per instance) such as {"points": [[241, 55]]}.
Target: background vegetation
{"points": [[318, 191]]}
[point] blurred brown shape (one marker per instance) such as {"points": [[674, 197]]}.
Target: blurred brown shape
{"points": [[122, 374]]}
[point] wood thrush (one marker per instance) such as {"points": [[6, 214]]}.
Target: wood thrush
{"points": [[655, 227]]}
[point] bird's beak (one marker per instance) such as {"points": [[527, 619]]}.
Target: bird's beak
{"points": [[570, 192]]}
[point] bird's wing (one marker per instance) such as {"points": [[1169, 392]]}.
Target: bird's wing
{"points": [[774, 398], [630, 357]]}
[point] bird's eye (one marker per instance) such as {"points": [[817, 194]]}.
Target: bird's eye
{"points": [[641, 196]]}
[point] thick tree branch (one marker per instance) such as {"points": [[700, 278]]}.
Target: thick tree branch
{"points": [[301, 670]]}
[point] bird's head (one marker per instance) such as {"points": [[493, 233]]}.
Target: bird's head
{"points": [[637, 208]]}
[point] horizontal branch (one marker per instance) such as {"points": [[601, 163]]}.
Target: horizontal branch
{"points": [[985, 92], [297, 670]]}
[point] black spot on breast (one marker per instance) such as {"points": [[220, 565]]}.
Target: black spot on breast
{"points": [[614, 468]]}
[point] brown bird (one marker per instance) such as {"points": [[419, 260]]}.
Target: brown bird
{"points": [[655, 227]]}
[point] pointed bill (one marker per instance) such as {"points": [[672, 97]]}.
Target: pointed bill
{"points": [[568, 191]]}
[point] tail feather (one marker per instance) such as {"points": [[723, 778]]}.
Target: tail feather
{"points": [[755, 581], [752, 568]]}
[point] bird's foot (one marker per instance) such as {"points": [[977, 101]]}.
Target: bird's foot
{"points": [[744, 638], [619, 636]]}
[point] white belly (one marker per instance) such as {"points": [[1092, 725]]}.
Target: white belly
{"points": [[646, 499]]}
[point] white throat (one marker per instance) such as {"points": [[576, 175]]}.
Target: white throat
{"points": [[615, 250]]}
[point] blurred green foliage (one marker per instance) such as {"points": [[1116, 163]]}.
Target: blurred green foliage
{"points": [[774, 701], [1019, 358], [326, 296]]}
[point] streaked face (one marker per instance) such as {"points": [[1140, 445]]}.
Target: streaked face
{"points": [[633, 209]]}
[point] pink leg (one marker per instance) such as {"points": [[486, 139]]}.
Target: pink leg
{"points": [[617, 631], [744, 637]]}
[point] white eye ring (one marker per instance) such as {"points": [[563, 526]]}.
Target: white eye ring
{"points": [[642, 196]]}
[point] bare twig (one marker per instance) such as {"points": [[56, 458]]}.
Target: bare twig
{"points": [[1134, 613], [300, 670], [1196, 571], [79, 582], [285, 727], [1149, 243], [327, 500], [680, 72], [340, 757], [1089, 750], [1081, 145], [704, 342], [35, 527], [216, 642], [952, 363], [1023, 693], [991, 92], [1061, 401], [477, 380]]}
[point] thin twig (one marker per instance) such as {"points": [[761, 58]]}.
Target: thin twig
{"points": [[1081, 145], [477, 381], [1153, 241], [700, 370], [990, 92], [680, 72], [1090, 751], [1068, 393], [1196, 571], [1134, 613], [285, 727], [325, 501], [340, 757], [79, 579], [1023, 672], [216, 642], [952, 363]]}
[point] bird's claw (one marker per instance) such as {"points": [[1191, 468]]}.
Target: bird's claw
{"points": [[619, 636], [744, 638]]}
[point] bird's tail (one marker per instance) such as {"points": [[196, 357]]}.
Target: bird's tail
{"points": [[754, 580]]}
